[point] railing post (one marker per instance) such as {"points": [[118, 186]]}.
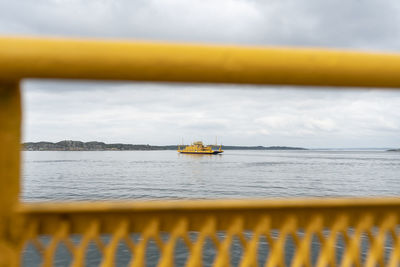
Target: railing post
{"points": [[10, 146]]}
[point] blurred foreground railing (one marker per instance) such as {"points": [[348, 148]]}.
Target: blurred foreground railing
{"points": [[247, 233], [243, 233]]}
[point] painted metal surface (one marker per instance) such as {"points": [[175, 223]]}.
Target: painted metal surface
{"points": [[332, 223], [10, 140], [350, 220], [164, 62]]}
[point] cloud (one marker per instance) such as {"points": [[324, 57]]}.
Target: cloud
{"points": [[162, 114], [346, 24], [196, 20], [368, 24]]}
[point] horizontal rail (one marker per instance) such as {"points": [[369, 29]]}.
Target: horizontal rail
{"points": [[206, 205], [157, 62], [223, 211]]}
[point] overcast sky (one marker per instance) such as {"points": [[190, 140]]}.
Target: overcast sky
{"points": [[239, 115]]}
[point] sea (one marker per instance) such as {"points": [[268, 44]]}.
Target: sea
{"points": [[235, 174]]}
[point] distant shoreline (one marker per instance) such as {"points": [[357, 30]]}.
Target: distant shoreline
{"points": [[69, 145]]}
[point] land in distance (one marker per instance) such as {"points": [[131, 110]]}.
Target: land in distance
{"points": [[69, 145]]}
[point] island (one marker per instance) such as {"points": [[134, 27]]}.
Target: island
{"points": [[394, 150], [69, 145]]}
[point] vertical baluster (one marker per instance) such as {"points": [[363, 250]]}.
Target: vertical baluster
{"points": [[10, 146]]}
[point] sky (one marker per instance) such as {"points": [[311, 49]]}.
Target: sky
{"points": [[150, 113]]}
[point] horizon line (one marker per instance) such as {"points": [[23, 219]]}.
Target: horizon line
{"points": [[310, 148]]}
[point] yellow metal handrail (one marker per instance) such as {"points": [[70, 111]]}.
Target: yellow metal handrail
{"points": [[106, 60], [349, 232]]}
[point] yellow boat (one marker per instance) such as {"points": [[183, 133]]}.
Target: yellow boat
{"points": [[199, 148]]}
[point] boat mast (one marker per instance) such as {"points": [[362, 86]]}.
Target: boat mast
{"points": [[179, 146]]}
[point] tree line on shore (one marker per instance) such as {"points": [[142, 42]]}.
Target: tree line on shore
{"points": [[69, 145]]}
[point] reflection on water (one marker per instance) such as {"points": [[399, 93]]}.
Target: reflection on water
{"points": [[196, 163]]}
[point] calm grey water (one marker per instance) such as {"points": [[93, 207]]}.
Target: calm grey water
{"points": [[116, 175]]}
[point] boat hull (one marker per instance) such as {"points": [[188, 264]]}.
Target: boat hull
{"points": [[202, 153]]}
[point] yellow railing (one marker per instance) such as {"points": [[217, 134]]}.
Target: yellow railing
{"points": [[346, 232]]}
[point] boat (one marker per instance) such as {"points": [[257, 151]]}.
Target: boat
{"points": [[199, 148]]}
